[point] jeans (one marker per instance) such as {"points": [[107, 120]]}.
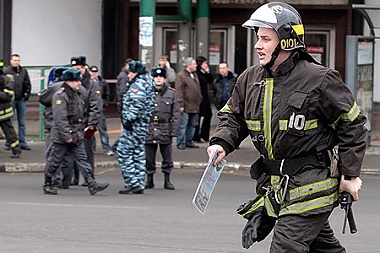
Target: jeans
{"points": [[187, 128], [19, 106], [104, 139]]}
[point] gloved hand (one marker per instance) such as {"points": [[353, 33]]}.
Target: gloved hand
{"points": [[249, 233], [128, 125]]}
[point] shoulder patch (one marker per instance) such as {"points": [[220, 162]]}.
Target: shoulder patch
{"points": [[58, 102], [135, 90], [11, 77]]}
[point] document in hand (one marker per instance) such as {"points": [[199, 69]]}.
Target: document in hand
{"points": [[207, 183]]}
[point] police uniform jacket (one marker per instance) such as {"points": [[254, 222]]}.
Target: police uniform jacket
{"points": [[165, 118], [22, 85], [68, 116], [217, 88], [301, 109], [95, 103], [6, 97], [188, 91], [45, 97]]}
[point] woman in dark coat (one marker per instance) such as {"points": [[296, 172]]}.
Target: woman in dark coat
{"points": [[202, 131]]}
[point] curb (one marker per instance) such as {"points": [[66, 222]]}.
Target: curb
{"points": [[39, 167]]}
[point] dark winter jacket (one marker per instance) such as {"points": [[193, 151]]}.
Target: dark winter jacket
{"points": [[204, 80], [217, 88], [6, 96], [22, 86]]}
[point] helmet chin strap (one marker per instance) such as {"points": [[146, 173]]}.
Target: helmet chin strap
{"points": [[275, 54]]}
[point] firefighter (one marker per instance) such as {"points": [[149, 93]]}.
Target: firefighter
{"points": [[6, 111], [295, 111]]}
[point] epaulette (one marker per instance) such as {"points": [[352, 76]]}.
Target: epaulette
{"points": [[61, 90], [11, 77], [171, 88]]}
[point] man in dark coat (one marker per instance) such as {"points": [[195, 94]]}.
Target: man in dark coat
{"points": [[223, 85], [162, 128]]}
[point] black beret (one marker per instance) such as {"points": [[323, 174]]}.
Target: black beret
{"points": [[58, 71], [159, 72], [78, 60], [71, 74], [136, 67], [94, 68]]}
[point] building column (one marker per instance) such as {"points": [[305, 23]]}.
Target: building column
{"points": [[184, 32], [146, 29], [203, 28]]}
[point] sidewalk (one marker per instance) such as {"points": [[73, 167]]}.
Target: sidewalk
{"points": [[241, 159]]}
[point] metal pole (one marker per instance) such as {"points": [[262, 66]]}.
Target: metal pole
{"points": [[42, 108], [184, 32], [147, 19], [203, 28]]}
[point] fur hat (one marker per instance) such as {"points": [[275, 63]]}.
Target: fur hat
{"points": [[136, 67], [78, 60], [159, 72], [71, 74], [58, 71]]}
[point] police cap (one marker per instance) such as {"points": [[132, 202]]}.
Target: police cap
{"points": [[159, 72], [71, 74]]}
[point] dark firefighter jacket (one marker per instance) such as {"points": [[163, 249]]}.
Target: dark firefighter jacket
{"points": [[301, 109], [6, 97], [165, 118]]}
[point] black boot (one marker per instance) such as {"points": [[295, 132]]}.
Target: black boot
{"points": [[95, 187], [167, 184], [149, 182], [48, 187]]}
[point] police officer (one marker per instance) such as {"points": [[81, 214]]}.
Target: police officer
{"points": [[6, 111], [67, 133], [92, 114], [295, 111], [138, 104], [162, 128]]}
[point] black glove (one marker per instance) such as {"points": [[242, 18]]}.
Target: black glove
{"points": [[128, 125]]}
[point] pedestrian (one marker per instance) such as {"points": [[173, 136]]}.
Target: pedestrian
{"points": [[6, 111], [189, 96], [105, 93], [22, 88], [295, 111], [223, 85], [138, 105], [202, 130], [170, 72], [67, 133], [92, 114], [163, 126]]}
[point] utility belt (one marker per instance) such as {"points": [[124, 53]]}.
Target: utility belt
{"points": [[157, 121], [288, 166]]}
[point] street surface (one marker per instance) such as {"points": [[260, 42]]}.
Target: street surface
{"points": [[157, 221]]}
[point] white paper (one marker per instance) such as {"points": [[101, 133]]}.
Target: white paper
{"points": [[207, 183]]}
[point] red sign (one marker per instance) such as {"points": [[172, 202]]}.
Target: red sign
{"points": [[214, 49], [315, 49], [174, 47]]}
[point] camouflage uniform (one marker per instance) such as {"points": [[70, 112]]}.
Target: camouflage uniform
{"points": [[138, 104]]}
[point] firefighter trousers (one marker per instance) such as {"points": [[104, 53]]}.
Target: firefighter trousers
{"points": [[296, 234], [11, 135]]}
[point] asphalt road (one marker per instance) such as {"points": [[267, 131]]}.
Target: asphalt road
{"points": [[157, 221]]}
